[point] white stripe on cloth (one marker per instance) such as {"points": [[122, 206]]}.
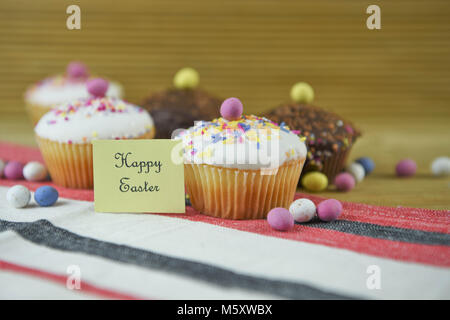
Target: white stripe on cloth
{"points": [[19, 286], [327, 268], [115, 276]]}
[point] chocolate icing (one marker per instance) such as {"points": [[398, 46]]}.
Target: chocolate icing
{"points": [[179, 108], [326, 133]]}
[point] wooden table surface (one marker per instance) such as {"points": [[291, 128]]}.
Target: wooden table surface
{"points": [[385, 140], [392, 83]]}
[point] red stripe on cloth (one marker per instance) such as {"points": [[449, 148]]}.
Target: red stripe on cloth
{"points": [[410, 218], [16, 152], [74, 194], [62, 279], [397, 250], [401, 217]]}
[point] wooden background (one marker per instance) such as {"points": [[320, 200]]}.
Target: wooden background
{"points": [[394, 82]]}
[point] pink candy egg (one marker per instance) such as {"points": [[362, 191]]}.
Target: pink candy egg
{"points": [[97, 87], [329, 210], [280, 219], [13, 170], [231, 109], [406, 168], [344, 181], [77, 70]]}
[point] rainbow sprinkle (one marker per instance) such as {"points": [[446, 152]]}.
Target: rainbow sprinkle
{"points": [[248, 128]]}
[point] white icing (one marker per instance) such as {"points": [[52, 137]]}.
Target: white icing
{"points": [[275, 146], [56, 91], [86, 122]]}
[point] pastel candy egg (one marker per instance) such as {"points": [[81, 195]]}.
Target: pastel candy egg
{"points": [[186, 78], [13, 170], [280, 219], [315, 181], [303, 210], [329, 210], [302, 92], [34, 171], [367, 164], [97, 87], [77, 70], [231, 109], [357, 171], [406, 168], [46, 196], [18, 196], [2, 167], [441, 166], [344, 181]]}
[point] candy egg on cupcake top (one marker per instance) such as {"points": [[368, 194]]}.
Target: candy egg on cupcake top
{"points": [[60, 89], [182, 104], [329, 137], [65, 133], [241, 166]]}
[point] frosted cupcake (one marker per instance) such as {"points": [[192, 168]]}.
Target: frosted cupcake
{"points": [[60, 89], [65, 133], [329, 137], [181, 105], [240, 167]]}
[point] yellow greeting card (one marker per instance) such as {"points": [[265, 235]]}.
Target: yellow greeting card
{"points": [[138, 176]]}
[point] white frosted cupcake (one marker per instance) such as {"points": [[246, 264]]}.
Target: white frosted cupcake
{"points": [[60, 89], [240, 167], [65, 133]]}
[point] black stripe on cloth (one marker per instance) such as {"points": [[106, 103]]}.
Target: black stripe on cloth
{"points": [[44, 233], [383, 232]]}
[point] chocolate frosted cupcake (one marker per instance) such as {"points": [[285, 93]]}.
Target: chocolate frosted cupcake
{"points": [[180, 106], [329, 137]]}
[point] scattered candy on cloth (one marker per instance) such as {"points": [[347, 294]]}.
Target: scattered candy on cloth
{"points": [[159, 256], [344, 181], [315, 181], [406, 168], [18, 196], [440, 166], [303, 210], [357, 171], [367, 164]]}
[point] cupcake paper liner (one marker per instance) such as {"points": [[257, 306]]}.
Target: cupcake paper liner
{"points": [[331, 166], [241, 194], [70, 165]]}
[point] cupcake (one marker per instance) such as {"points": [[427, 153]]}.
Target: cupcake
{"points": [[329, 137], [180, 106], [240, 167], [60, 89], [65, 133]]}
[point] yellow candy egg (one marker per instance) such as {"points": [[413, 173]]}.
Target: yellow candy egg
{"points": [[302, 92], [315, 181], [186, 78]]}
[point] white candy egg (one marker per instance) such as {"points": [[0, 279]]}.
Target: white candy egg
{"points": [[356, 170], [303, 210], [18, 196], [2, 167], [441, 166], [34, 171]]}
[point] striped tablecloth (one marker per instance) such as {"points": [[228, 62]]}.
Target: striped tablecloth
{"points": [[371, 252]]}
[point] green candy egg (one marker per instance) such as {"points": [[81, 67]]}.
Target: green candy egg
{"points": [[186, 78], [302, 92], [315, 181]]}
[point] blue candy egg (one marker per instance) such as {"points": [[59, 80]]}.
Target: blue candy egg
{"points": [[367, 164], [46, 196]]}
